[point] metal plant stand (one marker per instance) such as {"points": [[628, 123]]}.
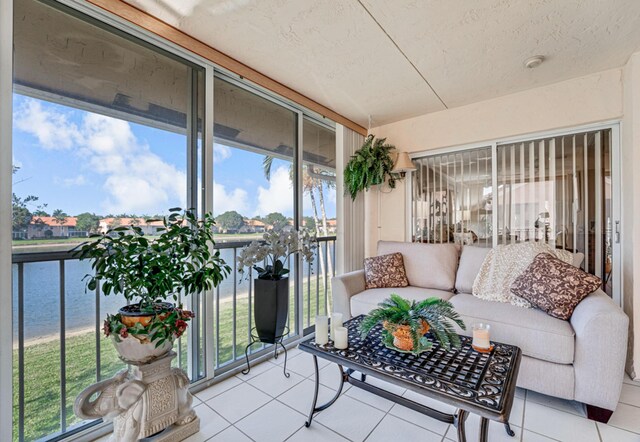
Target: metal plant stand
{"points": [[278, 342], [480, 383]]}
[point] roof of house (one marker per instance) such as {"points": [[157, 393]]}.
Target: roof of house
{"points": [[254, 223], [69, 221], [130, 221]]}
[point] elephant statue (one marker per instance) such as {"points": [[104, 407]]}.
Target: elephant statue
{"points": [[141, 401]]}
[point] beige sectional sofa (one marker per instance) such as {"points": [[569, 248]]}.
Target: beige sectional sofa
{"points": [[581, 359]]}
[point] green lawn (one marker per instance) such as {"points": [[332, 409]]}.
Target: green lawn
{"points": [[42, 365]]}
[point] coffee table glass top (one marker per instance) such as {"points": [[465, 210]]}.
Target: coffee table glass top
{"points": [[485, 381]]}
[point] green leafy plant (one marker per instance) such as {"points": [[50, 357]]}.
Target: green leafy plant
{"points": [[369, 166], [179, 261], [414, 317]]}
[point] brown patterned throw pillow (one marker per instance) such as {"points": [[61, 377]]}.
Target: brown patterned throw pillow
{"points": [[385, 271], [554, 286]]}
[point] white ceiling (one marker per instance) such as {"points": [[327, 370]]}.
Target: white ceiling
{"points": [[397, 59]]}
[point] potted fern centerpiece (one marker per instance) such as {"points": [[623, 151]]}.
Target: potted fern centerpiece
{"points": [[405, 323]]}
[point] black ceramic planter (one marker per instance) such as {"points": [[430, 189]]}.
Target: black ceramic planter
{"points": [[270, 308]]}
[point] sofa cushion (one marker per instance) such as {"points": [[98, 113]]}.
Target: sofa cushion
{"points": [[537, 334], [471, 260], [364, 302], [427, 265], [554, 286], [385, 271]]}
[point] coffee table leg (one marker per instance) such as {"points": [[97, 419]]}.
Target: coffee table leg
{"points": [[510, 432], [314, 408], [462, 416], [484, 429]]}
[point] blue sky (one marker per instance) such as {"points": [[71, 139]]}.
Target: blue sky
{"points": [[83, 162]]}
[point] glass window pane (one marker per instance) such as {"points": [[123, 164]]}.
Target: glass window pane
{"points": [[255, 142]]}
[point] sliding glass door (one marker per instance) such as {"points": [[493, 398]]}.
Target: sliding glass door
{"points": [[558, 190]]}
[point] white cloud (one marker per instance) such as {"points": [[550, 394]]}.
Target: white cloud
{"points": [[236, 199], [79, 180], [220, 152], [52, 129], [136, 180], [278, 197]]}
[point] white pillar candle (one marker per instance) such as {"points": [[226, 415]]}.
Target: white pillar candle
{"points": [[322, 330], [342, 338], [336, 321], [481, 336]]}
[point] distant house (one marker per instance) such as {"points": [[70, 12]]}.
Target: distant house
{"points": [[253, 226], [50, 227], [148, 227]]}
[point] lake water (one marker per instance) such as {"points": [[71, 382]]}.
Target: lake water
{"points": [[42, 296]]}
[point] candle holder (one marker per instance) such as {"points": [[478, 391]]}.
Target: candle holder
{"points": [[482, 338]]}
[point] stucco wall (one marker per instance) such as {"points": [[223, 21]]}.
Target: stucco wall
{"points": [[605, 96]]}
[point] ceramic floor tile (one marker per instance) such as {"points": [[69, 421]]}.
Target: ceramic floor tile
{"points": [[211, 423], [391, 428], [391, 388], [630, 395], [530, 436], [300, 397], [370, 399], [557, 424], [626, 417], [316, 433], [419, 419], [217, 388], [613, 434], [330, 377], [274, 382], [497, 432], [350, 418], [628, 380], [303, 364], [238, 402], [291, 353], [567, 406], [272, 422], [256, 370], [231, 434]]}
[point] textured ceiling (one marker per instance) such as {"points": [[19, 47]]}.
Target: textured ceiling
{"points": [[397, 59]]}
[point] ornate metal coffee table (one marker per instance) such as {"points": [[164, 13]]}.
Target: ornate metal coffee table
{"points": [[473, 382]]}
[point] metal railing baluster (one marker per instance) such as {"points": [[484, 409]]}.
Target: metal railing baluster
{"points": [[63, 351], [326, 263], [98, 350], [217, 329], [235, 302], [20, 352]]}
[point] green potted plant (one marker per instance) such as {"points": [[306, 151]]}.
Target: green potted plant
{"points": [[405, 323], [149, 272], [369, 166], [271, 287]]}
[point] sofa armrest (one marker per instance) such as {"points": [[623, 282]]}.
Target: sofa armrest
{"points": [[601, 329], [343, 287]]}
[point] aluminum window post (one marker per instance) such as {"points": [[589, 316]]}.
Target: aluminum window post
{"points": [[6, 118]]}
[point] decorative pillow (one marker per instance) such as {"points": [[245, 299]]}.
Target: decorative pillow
{"points": [[385, 271], [554, 286]]}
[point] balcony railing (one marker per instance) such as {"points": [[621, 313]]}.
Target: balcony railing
{"points": [[59, 348]]}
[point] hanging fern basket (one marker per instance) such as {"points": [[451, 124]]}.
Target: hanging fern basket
{"points": [[369, 166]]}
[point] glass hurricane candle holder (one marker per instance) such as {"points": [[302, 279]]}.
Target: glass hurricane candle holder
{"points": [[481, 337]]}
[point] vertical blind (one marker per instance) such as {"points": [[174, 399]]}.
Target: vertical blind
{"points": [[556, 190], [451, 198]]}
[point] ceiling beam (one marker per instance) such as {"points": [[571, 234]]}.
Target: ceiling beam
{"points": [[178, 37]]}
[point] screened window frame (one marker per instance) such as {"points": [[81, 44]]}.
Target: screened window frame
{"points": [[616, 170], [204, 168]]}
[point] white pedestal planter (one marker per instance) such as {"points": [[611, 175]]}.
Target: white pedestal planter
{"points": [[149, 400]]}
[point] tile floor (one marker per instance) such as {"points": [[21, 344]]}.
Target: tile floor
{"points": [[266, 406]]}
